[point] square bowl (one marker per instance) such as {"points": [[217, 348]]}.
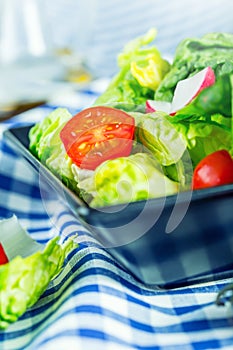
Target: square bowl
{"points": [[170, 242]]}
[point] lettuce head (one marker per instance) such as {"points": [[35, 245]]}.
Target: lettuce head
{"points": [[127, 179]]}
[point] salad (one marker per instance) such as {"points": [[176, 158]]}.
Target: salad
{"points": [[159, 128]]}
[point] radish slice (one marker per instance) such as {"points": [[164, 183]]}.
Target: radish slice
{"points": [[186, 90], [153, 106], [15, 240], [3, 256]]}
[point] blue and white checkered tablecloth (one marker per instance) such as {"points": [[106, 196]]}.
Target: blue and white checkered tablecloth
{"points": [[94, 304]]}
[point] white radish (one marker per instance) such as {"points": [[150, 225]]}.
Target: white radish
{"points": [[186, 90], [153, 106]]}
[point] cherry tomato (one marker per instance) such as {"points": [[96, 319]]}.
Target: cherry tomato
{"points": [[214, 170], [97, 134], [3, 257]]}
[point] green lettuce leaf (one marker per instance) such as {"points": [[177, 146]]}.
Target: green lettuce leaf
{"points": [[141, 70], [44, 136], [23, 280], [160, 137], [192, 55], [46, 145], [163, 141], [127, 179], [204, 138]]}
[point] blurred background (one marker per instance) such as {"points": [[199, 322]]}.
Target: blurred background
{"points": [[99, 28], [47, 47]]}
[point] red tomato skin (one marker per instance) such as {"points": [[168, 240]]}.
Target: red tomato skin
{"points": [[89, 128], [216, 169], [3, 257]]}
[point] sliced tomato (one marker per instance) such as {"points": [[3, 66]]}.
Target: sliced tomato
{"points": [[3, 257], [214, 170], [97, 134]]}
